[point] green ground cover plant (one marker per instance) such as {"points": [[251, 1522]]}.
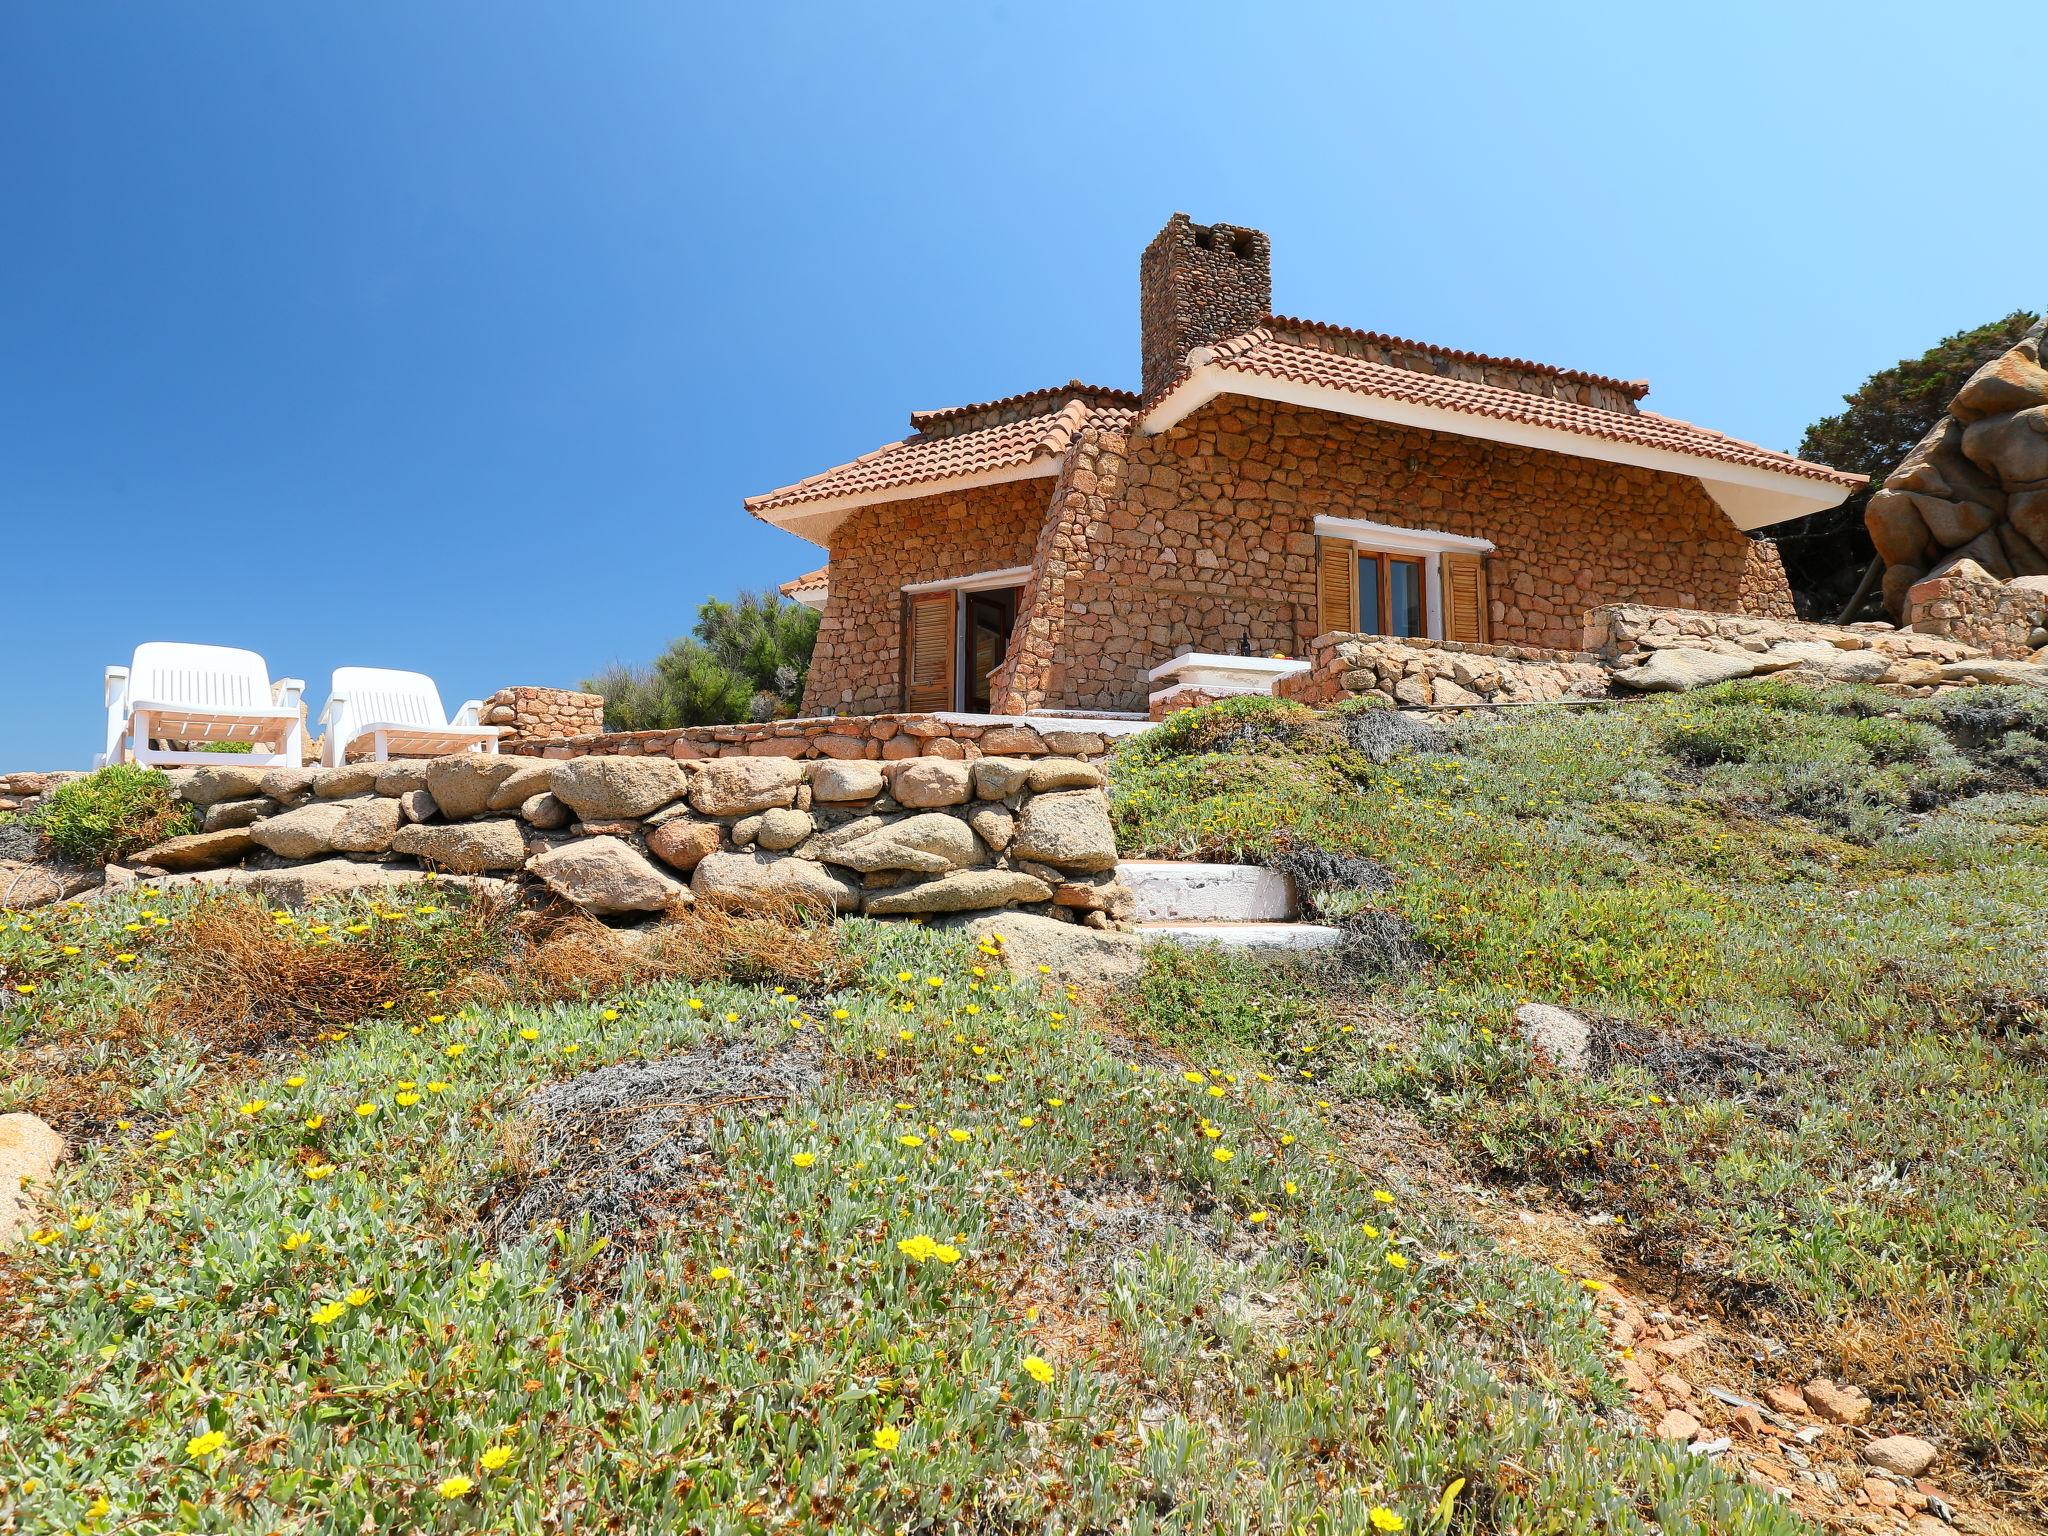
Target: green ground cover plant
{"points": [[1805, 920], [261, 1296], [111, 813]]}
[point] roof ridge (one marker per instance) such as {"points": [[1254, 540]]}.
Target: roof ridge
{"points": [[1097, 392], [1635, 389]]}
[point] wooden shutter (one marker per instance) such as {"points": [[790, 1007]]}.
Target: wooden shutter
{"points": [[1336, 587], [928, 647], [1465, 598]]}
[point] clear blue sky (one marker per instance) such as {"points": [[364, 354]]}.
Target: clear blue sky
{"points": [[450, 336]]}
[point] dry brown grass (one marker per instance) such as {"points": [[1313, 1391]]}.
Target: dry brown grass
{"points": [[238, 982], [572, 955]]}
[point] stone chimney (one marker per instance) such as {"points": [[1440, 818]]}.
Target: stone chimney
{"points": [[1197, 284]]}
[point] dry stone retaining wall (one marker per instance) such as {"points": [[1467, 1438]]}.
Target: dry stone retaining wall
{"points": [[620, 835], [1969, 604], [1654, 649], [1420, 673]]}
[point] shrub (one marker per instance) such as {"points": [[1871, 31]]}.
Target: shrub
{"points": [[1230, 725], [111, 813]]}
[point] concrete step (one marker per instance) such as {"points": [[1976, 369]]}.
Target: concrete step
{"points": [[1252, 936], [1173, 890]]}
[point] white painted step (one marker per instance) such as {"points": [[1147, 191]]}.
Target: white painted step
{"points": [[1252, 936], [1173, 890]]}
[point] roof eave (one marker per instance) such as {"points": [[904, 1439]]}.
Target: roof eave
{"points": [[1751, 496], [816, 520]]}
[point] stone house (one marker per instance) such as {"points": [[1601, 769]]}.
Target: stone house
{"points": [[1274, 480]]}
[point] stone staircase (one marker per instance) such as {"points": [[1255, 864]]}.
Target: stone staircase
{"points": [[1241, 906]]}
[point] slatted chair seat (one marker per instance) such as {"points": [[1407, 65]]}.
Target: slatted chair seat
{"points": [[377, 713]]}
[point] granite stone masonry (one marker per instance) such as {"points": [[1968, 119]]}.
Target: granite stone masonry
{"points": [[903, 837], [857, 664], [877, 737], [544, 714], [1420, 674], [1969, 604], [1238, 505]]}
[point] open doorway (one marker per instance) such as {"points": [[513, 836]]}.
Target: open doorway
{"points": [[988, 617]]}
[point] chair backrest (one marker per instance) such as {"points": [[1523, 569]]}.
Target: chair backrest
{"points": [[199, 677], [381, 696]]}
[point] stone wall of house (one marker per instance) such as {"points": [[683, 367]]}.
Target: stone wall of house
{"points": [[1763, 589], [545, 714], [620, 836], [885, 738], [1086, 498], [1422, 673], [1969, 604], [857, 665], [1203, 537]]}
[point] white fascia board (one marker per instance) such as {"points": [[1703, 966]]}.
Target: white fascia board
{"points": [[1752, 497], [1400, 541], [816, 520], [1009, 576], [813, 598]]}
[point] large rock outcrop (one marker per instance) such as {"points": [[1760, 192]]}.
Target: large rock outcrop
{"points": [[1976, 486]]}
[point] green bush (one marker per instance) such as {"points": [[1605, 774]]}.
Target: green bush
{"points": [[111, 813]]}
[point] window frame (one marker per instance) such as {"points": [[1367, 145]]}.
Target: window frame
{"points": [[1383, 562]]}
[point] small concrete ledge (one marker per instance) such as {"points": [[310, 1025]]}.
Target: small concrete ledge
{"points": [[1258, 937]]}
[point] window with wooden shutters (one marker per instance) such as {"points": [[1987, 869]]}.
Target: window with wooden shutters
{"points": [[928, 646], [1464, 578], [1335, 612]]}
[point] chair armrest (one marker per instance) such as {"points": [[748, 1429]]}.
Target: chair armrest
{"points": [[332, 708], [116, 684], [285, 692], [471, 713]]}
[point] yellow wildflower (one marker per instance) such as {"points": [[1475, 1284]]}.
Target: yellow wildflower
{"points": [[1038, 1370], [199, 1447], [454, 1487]]}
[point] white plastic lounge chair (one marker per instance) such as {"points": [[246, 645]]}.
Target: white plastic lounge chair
{"points": [[201, 693], [397, 714]]}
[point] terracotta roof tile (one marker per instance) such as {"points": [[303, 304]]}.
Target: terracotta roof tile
{"points": [[809, 581], [1635, 389], [916, 460], [1260, 352], [1094, 393]]}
